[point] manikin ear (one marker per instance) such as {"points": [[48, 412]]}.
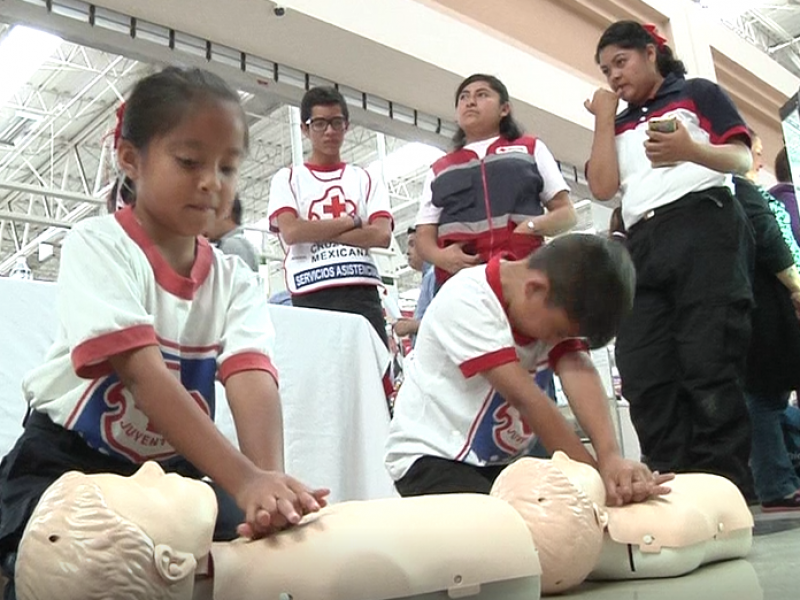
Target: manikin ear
{"points": [[128, 158], [173, 565]]}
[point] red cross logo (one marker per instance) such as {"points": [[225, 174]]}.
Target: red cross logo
{"points": [[336, 208], [333, 204]]}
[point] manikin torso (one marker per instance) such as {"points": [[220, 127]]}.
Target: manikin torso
{"points": [[458, 544]]}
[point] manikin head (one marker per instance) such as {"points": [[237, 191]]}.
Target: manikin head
{"points": [[562, 502], [140, 536]]}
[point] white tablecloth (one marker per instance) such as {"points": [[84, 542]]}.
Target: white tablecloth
{"points": [[330, 365]]}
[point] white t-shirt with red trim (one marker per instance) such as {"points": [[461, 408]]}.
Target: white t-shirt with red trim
{"points": [[117, 293], [445, 408], [313, 192]]}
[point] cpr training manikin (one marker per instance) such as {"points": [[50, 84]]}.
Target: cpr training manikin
{"points": [[544, 529]]}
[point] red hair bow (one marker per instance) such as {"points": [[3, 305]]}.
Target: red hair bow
{"points": [[659, 39], [118, 128]]}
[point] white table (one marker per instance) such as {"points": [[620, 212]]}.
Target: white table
{"points": [[330, 365]]}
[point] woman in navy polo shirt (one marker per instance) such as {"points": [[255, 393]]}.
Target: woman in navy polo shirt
{"points": [[682, 350]]}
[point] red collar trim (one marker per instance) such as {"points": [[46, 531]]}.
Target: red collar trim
{"points": [[333, 167], [166, 277], [493, 278]]}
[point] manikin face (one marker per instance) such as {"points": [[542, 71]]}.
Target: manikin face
{"points": [[173, 510], [631, 73], [188, 175], [479, 111]]}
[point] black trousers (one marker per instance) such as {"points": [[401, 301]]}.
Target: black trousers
{"points": [[681, 352], [42, 454], [362, 300], [435, 475]]}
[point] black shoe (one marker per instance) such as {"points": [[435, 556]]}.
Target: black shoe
{"points": [[790, 504]]}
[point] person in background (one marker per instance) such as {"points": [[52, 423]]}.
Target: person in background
{"points": [[785, 193], [682, 350], [410, 327], [227, 233], [757, 154], [497, 192], [329, 214], [773, 363]]}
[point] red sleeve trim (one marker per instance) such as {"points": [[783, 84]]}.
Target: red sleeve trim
{"points": [[382, 214], [473, 366], [739, 130], [90, 359], [247, 361], [273, 226], [560, 350]]}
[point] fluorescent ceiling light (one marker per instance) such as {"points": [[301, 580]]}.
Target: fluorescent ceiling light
{"points": [[22, 51], [406, 160]]}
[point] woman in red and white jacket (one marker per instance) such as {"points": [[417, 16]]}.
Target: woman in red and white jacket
{"points": [[498, 191]]}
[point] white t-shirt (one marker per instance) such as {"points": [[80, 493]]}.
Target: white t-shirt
{"points": [[445, 407], [554, 182], [312, 193], [117, 293]]}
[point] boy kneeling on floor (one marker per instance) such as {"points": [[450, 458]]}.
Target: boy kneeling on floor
{"points": [[469, 405]]}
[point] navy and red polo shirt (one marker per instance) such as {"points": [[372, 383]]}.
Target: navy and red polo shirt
{"points": [[709, 115]]}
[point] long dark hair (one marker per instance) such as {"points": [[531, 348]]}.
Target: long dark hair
{"points": [[157, 104], [509, 128], [783, 172], [630, 34]]}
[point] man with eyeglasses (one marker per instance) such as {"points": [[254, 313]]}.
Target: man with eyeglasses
{"points": [[328, 215]]}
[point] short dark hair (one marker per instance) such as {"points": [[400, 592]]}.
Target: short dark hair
{"points": [[237, 210], [322, 96], [783, 172], [411, 230], [633, 35], [592, 278], [509, 128]]}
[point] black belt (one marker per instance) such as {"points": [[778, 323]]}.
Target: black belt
{"points": [[682, 202]]}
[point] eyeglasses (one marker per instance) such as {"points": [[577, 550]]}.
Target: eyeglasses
{"points": [[320, 124]]}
